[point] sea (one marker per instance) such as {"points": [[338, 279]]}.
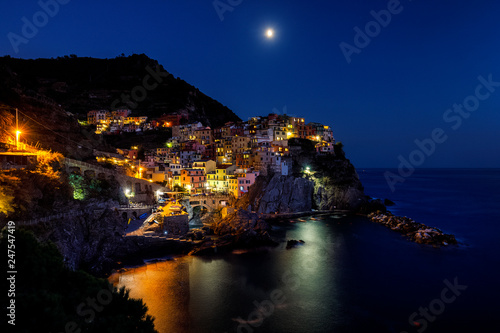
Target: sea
{"points": [[350, 275]]}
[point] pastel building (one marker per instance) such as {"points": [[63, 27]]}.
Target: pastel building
{"points": [[193, 180], [244, 181], [218, 181]]}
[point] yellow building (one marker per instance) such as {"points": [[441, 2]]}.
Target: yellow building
{"points": [[233, 185], [218, 180], [176, 180]]}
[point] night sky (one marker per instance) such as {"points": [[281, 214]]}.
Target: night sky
{"points": [[396, 89]]}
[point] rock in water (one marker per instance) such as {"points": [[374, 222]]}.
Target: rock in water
{"points": [[417, 232], [388, 202], [293, 243]]}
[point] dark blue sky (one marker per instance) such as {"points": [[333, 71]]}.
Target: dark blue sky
{"points": [[395, 90]]}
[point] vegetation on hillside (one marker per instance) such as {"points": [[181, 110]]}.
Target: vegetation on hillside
{"points": [[6, 122], [51, 298], [46, 189], [80, 84]]}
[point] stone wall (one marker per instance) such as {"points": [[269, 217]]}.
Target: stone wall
{"points": [[176, 225]]}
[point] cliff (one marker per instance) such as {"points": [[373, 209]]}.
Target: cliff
{"points": [[286, 194], [241, 229], [87, 240], [320, 182]]}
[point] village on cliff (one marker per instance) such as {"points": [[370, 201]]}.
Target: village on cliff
{"points": [[199, 159]]}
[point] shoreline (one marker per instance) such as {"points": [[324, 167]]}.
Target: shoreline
{"points": [[158, 247], [204, 242], [282, 216]]}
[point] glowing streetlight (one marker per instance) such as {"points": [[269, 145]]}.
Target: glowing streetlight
{"points": [[17, 139]]}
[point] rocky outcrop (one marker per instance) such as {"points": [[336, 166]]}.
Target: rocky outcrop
{"points": [[286, 194], [240, 221], [293, 243], [88, 241], [241, 229], [321, 182], [337, 185], [417, 232], [330, 183]]}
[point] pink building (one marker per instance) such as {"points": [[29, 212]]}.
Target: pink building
{"points": [[245, 180]]}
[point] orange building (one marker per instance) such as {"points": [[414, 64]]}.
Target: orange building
{"points": [[193, 180]]}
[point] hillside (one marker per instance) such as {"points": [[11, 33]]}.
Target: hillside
{"points": [[55, 93]]}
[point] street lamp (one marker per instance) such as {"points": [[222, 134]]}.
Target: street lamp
{"points": [[17, 139]]}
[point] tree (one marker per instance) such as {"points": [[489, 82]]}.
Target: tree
{"points": [[6, 122], [47, 161], [50, 297], [338, 148], [178, 188], [7, 197], [79, 186]]}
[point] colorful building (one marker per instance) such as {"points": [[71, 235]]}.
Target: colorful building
{"points": [[193, 180]]}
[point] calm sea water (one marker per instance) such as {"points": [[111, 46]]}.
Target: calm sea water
{"points": [[351, 275]]}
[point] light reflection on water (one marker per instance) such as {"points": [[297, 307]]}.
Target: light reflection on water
{"points": [[192, 294], [164, 287], [351, 275]]}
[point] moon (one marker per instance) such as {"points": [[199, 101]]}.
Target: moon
{"points": [[269, 33]]}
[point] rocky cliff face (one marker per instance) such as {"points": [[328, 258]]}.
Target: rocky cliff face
{"points": [[88, 241], [337, 186], [331, 182], [286, 194], [240, 229]]}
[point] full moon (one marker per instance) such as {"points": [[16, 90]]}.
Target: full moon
{"points": [[270, 33]]}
